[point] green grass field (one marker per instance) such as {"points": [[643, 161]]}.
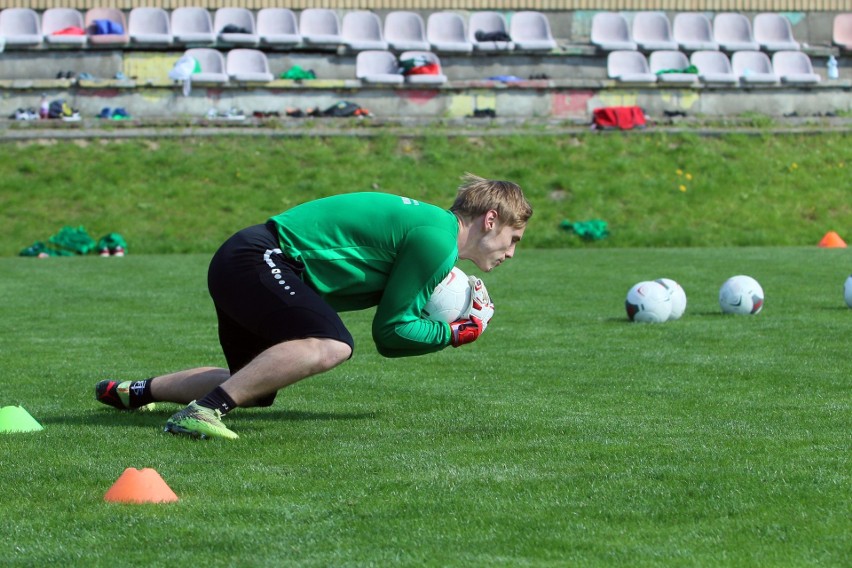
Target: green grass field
{"points": [[654, 189], [566, 436]]}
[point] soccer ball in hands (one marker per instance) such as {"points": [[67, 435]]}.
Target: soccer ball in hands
{"points": [[677, 295], [648, 302], [451, 299], [847, 291], [741, 295]]}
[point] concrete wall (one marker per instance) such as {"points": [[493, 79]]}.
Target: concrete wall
{"points": [[572, 100]]}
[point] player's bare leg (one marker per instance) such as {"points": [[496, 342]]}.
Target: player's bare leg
{"points": [[279, 366], [185, 386], [284, 364], [181, 387]]}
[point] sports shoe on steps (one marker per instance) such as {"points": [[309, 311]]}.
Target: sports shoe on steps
{"points": [[117, 395], [199, 422]]}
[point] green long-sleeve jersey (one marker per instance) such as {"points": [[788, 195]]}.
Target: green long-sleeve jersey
{"points": [[375, 249]]}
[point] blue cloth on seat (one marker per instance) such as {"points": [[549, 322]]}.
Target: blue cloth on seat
{"points": [[107, 27]]}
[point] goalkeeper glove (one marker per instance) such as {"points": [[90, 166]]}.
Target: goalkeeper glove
{"points": [[466, 330], [481, 305]]}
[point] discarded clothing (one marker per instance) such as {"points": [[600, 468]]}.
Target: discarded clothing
{"points": [[624, 118], [593, 230]]}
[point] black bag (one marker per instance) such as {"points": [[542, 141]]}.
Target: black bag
{"points": [[54, 110], [341, 109], [491, 36]]}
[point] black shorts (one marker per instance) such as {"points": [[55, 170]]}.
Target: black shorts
{"points": [[261, 300]]}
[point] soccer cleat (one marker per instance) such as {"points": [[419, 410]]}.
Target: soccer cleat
{"points": [[199, 422], [114, 393], [117, 395]]}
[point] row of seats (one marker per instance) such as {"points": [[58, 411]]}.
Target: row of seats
{"points": [[712, 67], [280, 28], [693, 31], [371, 66], [401, 30], [627, 66]]}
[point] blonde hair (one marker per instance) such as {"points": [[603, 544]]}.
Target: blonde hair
{"points": [[478, 195]]}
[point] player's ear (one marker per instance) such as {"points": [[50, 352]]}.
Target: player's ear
{"points": [[490, 219]]}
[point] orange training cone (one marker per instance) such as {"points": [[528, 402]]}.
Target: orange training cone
{"points": [[140, 486], [832, 240]]}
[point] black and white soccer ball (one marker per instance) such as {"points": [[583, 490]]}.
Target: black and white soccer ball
{"points": [[741, 295], [451, 299], [677, 295], [648, 302]]}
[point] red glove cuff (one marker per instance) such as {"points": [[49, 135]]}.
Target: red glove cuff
{"points": [[465, 331]]}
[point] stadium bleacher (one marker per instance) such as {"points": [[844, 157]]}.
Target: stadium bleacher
{"points": [[136, 47]]}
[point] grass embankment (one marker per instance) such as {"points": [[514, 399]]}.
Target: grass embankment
{"points": [[652, 189]]}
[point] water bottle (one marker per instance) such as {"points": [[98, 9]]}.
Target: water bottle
{"points": [[44, 109], [832, 67]]}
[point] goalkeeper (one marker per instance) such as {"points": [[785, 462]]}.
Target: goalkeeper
{"points": [[278, 287]]}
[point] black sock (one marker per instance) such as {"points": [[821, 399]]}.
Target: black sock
{"points": [[218, 399], [140, 393]]}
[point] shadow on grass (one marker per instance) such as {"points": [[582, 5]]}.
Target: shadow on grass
{"points": [[107, 417], [299, 415], [624, 320]]}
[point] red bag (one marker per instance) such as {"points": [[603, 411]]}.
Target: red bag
{"points": [[428, 69], [624, 118]]}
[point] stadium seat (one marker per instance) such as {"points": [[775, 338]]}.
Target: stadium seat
{"points": [[405, 31], [149, 26], [666, 60], [713, 67], [732, 31], [248, 65], [424, 79], [61, 26], [362, 30], [841, 34], [693, 32], [320, 27], [111, 34], [212, 64], [753, 68], [794, 67], [626, 66], [446, 32], [530, 31], [235, 26], [488, 22], [610, 32], [278, 27], [373, 66], [773, 32], [21, 27], [652, 31], [192, 26]]}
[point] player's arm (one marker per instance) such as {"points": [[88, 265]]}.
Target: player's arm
{"points": [[423, 260]]}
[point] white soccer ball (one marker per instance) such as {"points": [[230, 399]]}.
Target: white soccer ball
{"points": [[451, 298], [847, 291], [648, 302], [741, 295], [677, 295]]}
